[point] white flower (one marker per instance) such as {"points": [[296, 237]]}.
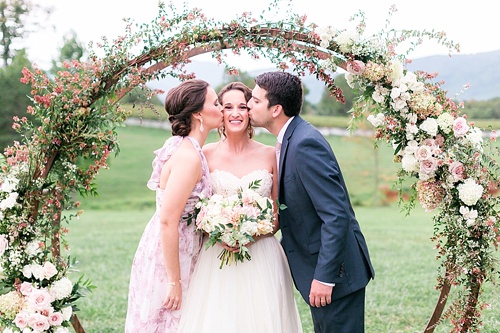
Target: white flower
{"points": [[395, 92], [468, 213], [37, 271], [325, 35], [249, 228], [32, 248], [67, 312], [411, 147], [445, 122], [470, 192], [396, 72], [377, 120], [9, 185], [350, 80], [399, 104], [430, 126], [26, 270], [61, 288], [10, 304], [409, 163], [411, 128], [4, 244], [475, 137], [410, 79], [346, 41], [379, 94], [9, 202], [61, 329]]}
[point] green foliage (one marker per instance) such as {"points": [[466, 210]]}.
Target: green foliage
{"points": [[489, 109], [330, 106], [17, 19], [13, 98], [242, 76], [72, 49]]}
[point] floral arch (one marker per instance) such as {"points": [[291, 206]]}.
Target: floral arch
{"points": [[76, 114]]}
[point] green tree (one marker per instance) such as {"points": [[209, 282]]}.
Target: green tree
{"points": [[72, 49], [13, 98], [488, 109], [18, 18], [243, 76], [329, 106], [249, 81]]}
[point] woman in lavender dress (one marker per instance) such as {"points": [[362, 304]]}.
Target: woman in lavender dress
{"points": [[168, 249]]}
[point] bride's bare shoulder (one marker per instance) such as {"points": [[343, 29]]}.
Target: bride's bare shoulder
{"points": [[209, 148]]}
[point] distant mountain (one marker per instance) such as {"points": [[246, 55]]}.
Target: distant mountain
{"points": [[481, 70]]}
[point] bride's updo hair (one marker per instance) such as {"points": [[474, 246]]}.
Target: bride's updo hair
{"points": [[247, 92], [183, 101]]}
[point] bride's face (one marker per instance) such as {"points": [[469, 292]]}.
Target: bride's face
{"points": [[235, 111]]}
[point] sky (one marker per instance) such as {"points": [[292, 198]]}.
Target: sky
{"points": [[474, 25]]}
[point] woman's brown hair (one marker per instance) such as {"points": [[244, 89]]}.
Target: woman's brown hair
{"points": [[183, 101]]}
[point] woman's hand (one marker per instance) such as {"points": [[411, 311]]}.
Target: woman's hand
{"points": [[234, 249], [173, 300]]}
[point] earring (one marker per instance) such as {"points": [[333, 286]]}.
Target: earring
{"points": [[201, 126]]}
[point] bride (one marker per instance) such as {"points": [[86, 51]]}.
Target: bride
{"points": [[250, 296]]}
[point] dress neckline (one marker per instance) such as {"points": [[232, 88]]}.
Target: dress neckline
{"points": [[242, 177]]}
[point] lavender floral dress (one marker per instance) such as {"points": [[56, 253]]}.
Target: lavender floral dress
{"points": [[148, 277]]}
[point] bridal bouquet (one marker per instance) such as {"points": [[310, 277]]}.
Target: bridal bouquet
{"points": [[235, 220]]}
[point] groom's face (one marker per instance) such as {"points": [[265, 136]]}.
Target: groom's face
{"points": [[258, 110]]}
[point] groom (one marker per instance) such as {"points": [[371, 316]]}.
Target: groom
{"points": [[321, 237]]}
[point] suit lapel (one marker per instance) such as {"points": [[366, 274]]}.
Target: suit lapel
{"points": [[284, 145]]}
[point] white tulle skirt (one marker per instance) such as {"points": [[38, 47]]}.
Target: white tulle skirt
{"points": [[251, 296]]}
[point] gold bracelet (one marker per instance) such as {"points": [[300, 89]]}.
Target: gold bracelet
{"points": [[173, 283]]}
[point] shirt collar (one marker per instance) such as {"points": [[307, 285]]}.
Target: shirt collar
{"points": [[281, 134]]}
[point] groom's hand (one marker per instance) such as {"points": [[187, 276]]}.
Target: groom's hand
{"points": [[320, 294]]}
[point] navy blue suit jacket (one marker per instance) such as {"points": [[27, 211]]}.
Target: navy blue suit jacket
{"points": [[320, 234]]}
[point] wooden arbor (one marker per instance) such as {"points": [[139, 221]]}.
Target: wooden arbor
{"points": [[303, 50]]}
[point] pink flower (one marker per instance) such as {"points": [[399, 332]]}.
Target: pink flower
{"points": [[55, 319], [49, 270], [26, 288], [428, 166], [38, 322], [40, 299], [430, 194], [4, 243], [21, 320], [457, 170], [355, 67], [423, 153], [460, 127]]}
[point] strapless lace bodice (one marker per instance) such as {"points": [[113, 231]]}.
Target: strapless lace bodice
{"points": [[225, 183]]}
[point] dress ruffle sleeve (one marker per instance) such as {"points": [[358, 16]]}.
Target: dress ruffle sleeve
{"points": [[162, 155]]}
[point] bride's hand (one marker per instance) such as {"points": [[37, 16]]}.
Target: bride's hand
{"points": [[233, 249], [173, 299]]}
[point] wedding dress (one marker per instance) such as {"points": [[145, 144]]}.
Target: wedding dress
{"points": [[253, 296], [148, 278]]}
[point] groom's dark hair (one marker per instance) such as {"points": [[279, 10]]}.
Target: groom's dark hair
{"points": [[282, 88]]}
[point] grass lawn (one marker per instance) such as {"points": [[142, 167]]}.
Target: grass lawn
{"points": [[400, 299]]}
